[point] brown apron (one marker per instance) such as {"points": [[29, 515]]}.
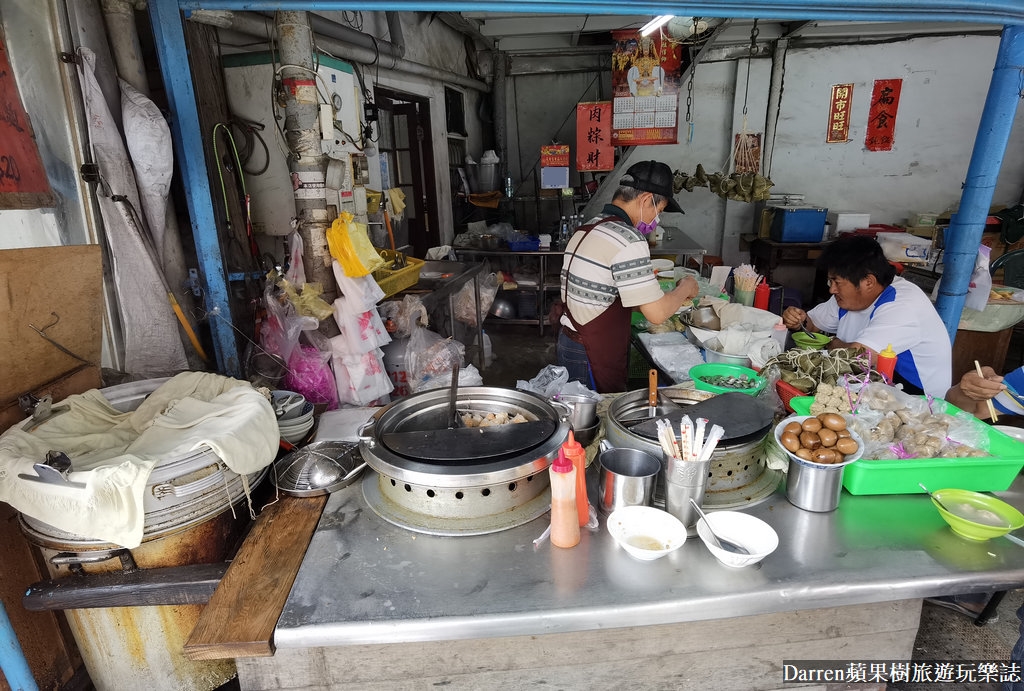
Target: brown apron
{"points": [[605, 338]]}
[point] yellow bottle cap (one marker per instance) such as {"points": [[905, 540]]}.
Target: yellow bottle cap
{"points": [[888, 352]]}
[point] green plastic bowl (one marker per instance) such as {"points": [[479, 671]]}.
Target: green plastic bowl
{"points": [[715, 369], [815, 342], [976, 502]]}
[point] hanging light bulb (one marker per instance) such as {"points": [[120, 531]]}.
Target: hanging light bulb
{"points": [[655, 23]]}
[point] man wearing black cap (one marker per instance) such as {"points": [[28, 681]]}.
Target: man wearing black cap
{"points": [[607, 272]]}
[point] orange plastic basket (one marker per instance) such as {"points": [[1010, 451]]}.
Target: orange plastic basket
{"points": [[787, 392]]}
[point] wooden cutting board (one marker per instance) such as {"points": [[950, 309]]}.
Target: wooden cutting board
{"points": [[240, 618]]}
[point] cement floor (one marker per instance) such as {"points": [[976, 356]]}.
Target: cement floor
{"points": [[520, 353]]}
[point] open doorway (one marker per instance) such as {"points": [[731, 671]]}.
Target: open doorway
{"points": [[407, 163]]}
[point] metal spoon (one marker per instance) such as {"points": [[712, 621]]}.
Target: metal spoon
{"points": [[803, 328], [937, 500], [727, 545]]}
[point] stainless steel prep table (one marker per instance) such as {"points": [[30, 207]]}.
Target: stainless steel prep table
{"points": [[851, 578]]}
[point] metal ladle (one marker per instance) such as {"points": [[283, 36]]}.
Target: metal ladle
{"points": [[720, 542]]}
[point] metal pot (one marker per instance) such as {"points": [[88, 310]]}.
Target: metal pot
{"points": [[470, 496], [739, 473]]}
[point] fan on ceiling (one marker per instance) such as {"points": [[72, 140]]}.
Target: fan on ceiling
{"points": [[681, 28]]}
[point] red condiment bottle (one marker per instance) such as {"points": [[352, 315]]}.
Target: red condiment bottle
{"points": [[575, 452], [886, 363], [762, 294], [565, 528]]}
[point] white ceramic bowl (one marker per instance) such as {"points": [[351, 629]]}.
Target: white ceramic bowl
{"points": [[850, 458], [743, 529], [646, 533]]}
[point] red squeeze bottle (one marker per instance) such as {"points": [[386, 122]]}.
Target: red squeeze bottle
{"points": [[575, 452], [761, 295]]}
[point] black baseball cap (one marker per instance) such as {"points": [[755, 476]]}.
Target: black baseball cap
{"points": [[653, 176]]}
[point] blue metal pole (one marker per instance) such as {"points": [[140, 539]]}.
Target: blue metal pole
{"points": [[188, 146], [964, 234], [12, 659]]}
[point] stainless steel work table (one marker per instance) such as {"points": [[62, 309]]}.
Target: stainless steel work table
{"points": [[676, 242], [365, 581]]}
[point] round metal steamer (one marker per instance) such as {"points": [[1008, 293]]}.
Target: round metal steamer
{"points": [[739, 476], [182, 491], [473, 496]]}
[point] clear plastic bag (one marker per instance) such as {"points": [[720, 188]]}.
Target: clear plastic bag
{"points": [[428, 355], [279, 333], [465, 302], [548, 381], [981, 281]]}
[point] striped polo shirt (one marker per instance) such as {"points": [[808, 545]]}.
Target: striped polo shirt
{"points": [[611, 260]]}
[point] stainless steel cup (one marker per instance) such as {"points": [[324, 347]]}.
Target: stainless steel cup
{"points": [[627, 478], [814, 486], [685, 480]]}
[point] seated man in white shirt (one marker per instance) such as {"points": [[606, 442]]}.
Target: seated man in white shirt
{"points": [[871, 308]]}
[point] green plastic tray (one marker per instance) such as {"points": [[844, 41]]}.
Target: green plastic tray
{"points": [[993, 473]]}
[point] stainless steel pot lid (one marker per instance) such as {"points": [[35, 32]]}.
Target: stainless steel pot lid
{"points": [[318, 468]]}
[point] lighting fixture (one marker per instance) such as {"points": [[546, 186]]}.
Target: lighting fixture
{"points": [[655, 23]]}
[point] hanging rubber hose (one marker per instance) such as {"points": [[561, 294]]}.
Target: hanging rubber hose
{"points": [[254, 249]]}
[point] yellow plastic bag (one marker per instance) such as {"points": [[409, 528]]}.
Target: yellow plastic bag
{"points": [[350, 245], [308, 303]]}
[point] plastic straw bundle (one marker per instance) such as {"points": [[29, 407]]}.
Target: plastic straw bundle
{"points": [[745, 278]]}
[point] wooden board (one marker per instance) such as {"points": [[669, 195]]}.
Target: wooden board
{"points": [[36, 284], [240, 618]]}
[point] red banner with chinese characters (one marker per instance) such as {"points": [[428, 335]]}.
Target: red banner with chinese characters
{"points": [[645, 86], [594, 149], [554, 155], [839, 114], [885, 101], [23, 181]]}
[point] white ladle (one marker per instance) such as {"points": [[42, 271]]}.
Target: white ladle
{"points": [[720, 542]]}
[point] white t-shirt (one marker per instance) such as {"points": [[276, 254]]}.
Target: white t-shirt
{"points": [[611, 260], [904, 317]]}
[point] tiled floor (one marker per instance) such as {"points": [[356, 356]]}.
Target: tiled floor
{"points": [[519, 354]]}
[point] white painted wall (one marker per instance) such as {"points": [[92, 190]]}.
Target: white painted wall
{"points": [[945, 81]]}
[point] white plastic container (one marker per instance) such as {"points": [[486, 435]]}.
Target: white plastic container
{"points": [[847, 221]]}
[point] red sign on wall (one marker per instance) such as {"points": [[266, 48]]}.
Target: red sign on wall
{"points": [[885, 102], [23, 181], [554, 156], [839, 114], [594, 149]]}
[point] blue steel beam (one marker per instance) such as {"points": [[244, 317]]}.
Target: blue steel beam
{"points": [[12, 660], [985, 11], [964, 234], [188, 147]]}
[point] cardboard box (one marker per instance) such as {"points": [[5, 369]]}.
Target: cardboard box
{"points": [[845, 221], [798, 224]]}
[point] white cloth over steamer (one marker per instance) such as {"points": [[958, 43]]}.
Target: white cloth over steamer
{"points": [[113, 453]]}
